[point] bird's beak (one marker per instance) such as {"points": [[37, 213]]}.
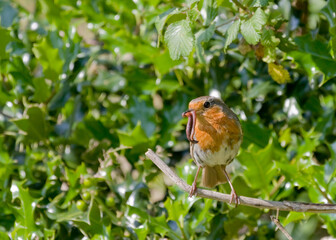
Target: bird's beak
{"points": [[187, 113]]}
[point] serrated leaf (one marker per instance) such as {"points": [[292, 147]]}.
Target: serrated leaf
{"points": [[162, 19], [49, 59], [210, 7], [250, 29], [269, 54], [268, 38], [259, 3], [232, 33], [179, 39], [190, 2], [278, 73], [249, 33], [204, 35], [258, 19]]}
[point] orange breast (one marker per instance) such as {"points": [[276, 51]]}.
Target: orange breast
{"points": [[213, 127]]}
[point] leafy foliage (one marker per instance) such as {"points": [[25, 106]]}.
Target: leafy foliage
{"points": [[88, 86]]}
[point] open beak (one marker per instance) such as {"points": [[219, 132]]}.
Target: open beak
{"points": [[190, 129]]}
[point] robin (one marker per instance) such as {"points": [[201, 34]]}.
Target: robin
{"points": [[215, 135]]}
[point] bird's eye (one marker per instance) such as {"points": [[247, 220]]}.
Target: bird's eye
{"points": [[206, 104]]}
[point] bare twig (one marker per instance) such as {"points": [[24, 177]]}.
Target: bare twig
{"points": [[282, 229], [240, 5], [246, 201]]}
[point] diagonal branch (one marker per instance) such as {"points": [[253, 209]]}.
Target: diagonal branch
{"points": [[282, 229], [246, 201]]}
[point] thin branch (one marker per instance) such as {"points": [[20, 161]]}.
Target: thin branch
{"points": [[240, 5], [282, 229], [246, 201]]}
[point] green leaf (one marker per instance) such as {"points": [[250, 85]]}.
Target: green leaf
{"points": [[294, 217], [4, 40], [4, 236], [249, 33], [49, 59], [163, 63], [203, 35], [329, 12], [42, 91], [136, 137], [250, 29], [260, 168], [190, 2], [232, 33], [35, 125], [278, 73], [8, 13], [210, 7], [179, 39], [25, 213], [146, 116], [268, 38], [259, 19], [142, 231], [162, 19], [256, 134], [316, 51], [259, 3]]}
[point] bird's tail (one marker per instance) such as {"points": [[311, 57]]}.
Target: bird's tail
{"points": [[213, 176]]}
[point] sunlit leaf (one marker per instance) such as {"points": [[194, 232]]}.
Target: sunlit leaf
{"points": [[179, 39], [49, 59], [278, 73], [232, 33]]}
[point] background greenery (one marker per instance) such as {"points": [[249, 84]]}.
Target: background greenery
{"points": [[88, 85]]}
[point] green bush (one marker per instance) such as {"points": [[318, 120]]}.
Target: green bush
{"points": [[88, 86]]}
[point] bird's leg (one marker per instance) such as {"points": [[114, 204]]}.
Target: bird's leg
{"points": [[194, 184], [233, 192]]}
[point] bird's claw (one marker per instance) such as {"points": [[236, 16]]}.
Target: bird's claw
{"points": [[192, 190], [235, 197]]}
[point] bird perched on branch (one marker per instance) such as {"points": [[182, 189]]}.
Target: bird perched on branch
{"points": [[215, 135]]}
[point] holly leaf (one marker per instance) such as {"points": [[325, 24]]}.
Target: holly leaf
{"points": [[35, 125], [49, 59]]}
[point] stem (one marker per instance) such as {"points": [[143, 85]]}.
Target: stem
{"points": [[227, 21], [246, 201], [180, 224], [325, 195], [282, 229], [240, 5]]}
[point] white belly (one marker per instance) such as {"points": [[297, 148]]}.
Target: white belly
{"points": [[223, 156]]}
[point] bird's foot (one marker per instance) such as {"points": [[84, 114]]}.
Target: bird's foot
{"points": [[235, 197], [193, 190]]}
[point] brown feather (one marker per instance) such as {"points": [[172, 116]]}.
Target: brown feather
{"points": [[213, 176]]}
